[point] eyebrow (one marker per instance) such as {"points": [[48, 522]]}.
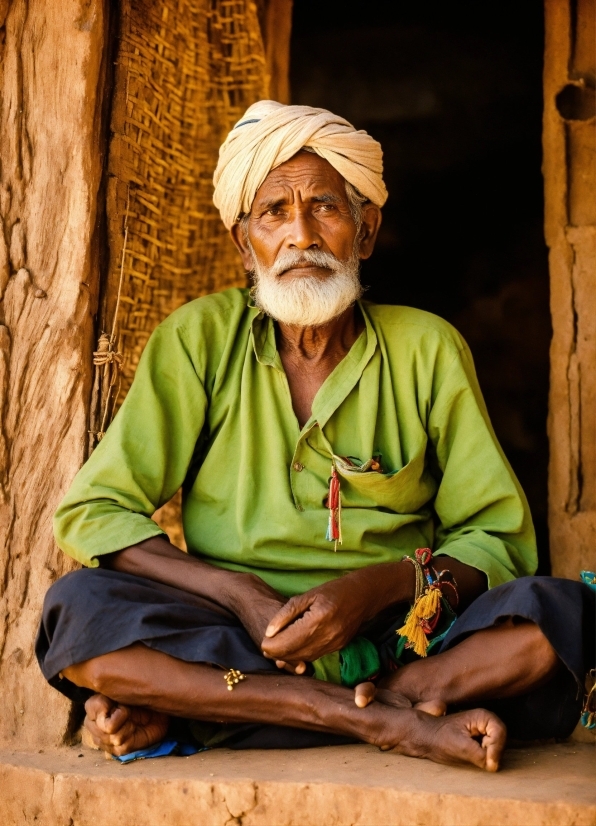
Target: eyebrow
{"points": [[325, 198], [272, 202]]}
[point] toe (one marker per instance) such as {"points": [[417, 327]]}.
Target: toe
{"points": [[434, 707], [364, 694]]}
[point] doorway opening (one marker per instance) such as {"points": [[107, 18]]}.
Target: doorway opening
{"points": [[454, 94]]}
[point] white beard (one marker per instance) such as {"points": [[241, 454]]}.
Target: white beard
{"points": [[306, 301]]}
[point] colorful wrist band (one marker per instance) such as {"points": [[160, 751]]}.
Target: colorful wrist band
{"points": [[425, 612]]}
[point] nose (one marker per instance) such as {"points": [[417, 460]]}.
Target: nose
{"points": [[302, 232]]}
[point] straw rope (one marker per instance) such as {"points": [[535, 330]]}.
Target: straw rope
{"points": [[107, 358]]}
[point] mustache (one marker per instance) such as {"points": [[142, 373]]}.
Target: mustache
{"points": [[293, 258]]}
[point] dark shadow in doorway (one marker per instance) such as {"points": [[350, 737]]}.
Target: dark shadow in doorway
{"points": [[454, 94]]}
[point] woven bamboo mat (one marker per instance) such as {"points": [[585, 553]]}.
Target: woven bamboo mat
{"points": [[186, 71]]}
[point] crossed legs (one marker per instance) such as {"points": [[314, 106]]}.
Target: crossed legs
{"points": [[508, 660], [138, 688]]}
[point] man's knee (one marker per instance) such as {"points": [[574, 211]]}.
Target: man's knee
{"points": [[540, 648], [94, 674], [531, 650]]}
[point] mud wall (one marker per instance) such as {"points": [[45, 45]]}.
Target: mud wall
{"points": [[570, 225], [52, 79]]}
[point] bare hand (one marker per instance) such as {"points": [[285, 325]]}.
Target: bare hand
{"points": [[256, 605], [326, 618], [476, 736], [245, 595], [317, 622], [120, 729]]}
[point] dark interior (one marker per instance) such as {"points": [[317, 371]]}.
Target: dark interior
{"points": [[453, 91]]}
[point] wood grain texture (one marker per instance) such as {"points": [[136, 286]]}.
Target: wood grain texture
{"points": [[570, 223], [276, 26], [51, 83]]}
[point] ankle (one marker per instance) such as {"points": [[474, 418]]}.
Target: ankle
{"points": [[420, 682], [406, 731], [381, 724]]}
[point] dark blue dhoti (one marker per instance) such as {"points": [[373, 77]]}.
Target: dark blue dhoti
{"points": [[92, 612]]}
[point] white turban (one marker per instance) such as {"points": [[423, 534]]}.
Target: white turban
{"points": [[271, 133]]}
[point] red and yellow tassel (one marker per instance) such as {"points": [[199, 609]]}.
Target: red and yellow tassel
{"points": [[334, 505], [421, 620]]}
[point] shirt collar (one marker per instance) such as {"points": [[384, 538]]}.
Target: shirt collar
{"points": [[339, 383], [263, 337], [346, 375]]}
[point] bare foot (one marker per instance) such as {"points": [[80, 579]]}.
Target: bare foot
{"points": [[120, 729], [436, 708], [476, 736]]}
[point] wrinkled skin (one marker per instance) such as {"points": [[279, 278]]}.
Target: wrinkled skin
{"points": [[138, 688], [303, 205]]}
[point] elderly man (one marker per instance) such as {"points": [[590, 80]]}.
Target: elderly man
{"points": [[345, 499]]}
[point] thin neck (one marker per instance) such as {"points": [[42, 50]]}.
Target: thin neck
{"points": [[321, 342]]}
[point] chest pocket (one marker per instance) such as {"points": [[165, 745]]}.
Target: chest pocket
{"points": [[403, 491]]}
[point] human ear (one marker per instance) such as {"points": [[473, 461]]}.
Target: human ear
{"points": [[238, 237], [371, 222]]}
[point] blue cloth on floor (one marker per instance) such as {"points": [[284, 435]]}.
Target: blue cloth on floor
{"points": [[163, 749]]}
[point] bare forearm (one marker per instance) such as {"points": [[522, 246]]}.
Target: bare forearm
{"points": [[326, 618], [393, 582], [161, 561], [138, 676]]}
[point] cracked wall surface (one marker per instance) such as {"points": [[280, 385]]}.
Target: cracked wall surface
{"points": [[51, 81], [570, 224]]}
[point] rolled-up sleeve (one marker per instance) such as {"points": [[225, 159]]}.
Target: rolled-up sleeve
{"points": [[143, 458], [483, 515]]}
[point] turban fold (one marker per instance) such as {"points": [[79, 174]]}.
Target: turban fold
{"points": [[271, 133]]}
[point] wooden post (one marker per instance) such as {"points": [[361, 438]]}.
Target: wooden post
{"points": [[276, 26], [52, 68], [570, 191]]}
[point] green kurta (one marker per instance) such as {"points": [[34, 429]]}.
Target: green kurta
{"points": [[210, 409]]}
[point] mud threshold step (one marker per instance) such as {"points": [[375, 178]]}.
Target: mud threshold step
{"points": [[552, 785]]}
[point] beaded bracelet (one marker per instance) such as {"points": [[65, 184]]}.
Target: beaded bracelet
{"points": [[445, 577]]}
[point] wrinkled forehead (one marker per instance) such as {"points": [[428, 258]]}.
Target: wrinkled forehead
{"points": [[305, 172]]}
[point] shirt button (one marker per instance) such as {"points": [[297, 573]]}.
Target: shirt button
{"points": [[298, 467]]}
